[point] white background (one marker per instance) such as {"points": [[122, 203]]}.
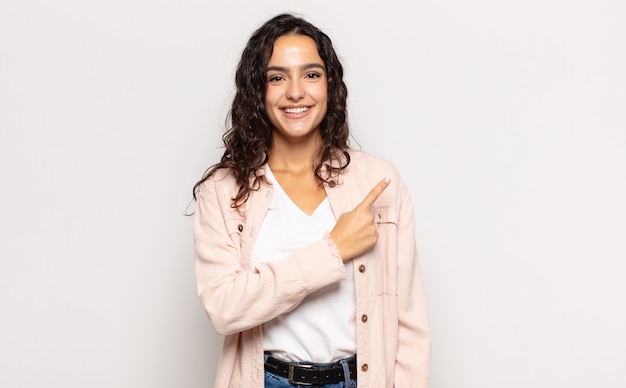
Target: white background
{"points": [[506, 119]]}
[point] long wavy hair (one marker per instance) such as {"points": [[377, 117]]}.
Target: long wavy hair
{"points": [[248, 137]]}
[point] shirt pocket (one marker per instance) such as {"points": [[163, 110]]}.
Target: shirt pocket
{"points": [[385, 215], [235, 227], [386, 219]]}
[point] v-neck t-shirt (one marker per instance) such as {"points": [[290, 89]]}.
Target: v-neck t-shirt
{"points": [[322, 327]]}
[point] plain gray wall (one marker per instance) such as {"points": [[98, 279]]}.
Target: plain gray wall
{"points": [[506, 120]]}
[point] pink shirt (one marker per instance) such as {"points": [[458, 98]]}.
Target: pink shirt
{"points": [[393, 337]]}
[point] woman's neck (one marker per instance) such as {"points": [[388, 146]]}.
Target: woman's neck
{"points": [[294, 156]]}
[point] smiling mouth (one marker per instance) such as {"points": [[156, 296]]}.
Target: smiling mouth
{"points": [[296, 110]]}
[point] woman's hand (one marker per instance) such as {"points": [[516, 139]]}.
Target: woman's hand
{"points": [[355, 231]]}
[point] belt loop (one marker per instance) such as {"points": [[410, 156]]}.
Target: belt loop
{"points": [[346, 373]]}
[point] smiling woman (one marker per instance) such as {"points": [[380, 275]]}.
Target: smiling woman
{"points": [[296, 100], [305, 248]]}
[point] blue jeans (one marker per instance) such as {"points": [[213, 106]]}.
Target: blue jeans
{"points": [[273, 381]]}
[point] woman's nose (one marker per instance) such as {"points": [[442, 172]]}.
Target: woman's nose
{"points": [[295, 91]]}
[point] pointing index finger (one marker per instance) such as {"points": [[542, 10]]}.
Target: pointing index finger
{"points": [[373, 195]]}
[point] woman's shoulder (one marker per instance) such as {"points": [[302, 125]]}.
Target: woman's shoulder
{"points": [[361, 160], [366, 170], [221, 179]]}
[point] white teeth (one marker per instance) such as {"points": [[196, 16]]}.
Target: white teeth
{"points": [[296, 110]]}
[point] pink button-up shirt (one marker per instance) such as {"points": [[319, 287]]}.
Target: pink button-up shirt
{"points": [[392, 333]]}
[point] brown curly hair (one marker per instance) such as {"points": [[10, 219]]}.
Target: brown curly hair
{"points": [[248, 138]]}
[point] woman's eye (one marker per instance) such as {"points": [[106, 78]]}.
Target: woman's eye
{"points": [[313, 75], [275, 78]]}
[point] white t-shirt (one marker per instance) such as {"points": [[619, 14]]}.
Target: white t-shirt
{"points": [[322, 327]]}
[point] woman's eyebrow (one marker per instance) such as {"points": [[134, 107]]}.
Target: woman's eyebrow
{"points": [[307, 66]]}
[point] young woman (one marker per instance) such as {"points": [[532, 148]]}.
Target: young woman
{"points": [[305, 249]]}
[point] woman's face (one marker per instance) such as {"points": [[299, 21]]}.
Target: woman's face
{"points": [[296, 95]]}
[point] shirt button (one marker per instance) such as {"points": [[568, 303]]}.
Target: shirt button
{"points": [[364, 318], [362, 268], [240, 227], [332, 183], [364, 367]]}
